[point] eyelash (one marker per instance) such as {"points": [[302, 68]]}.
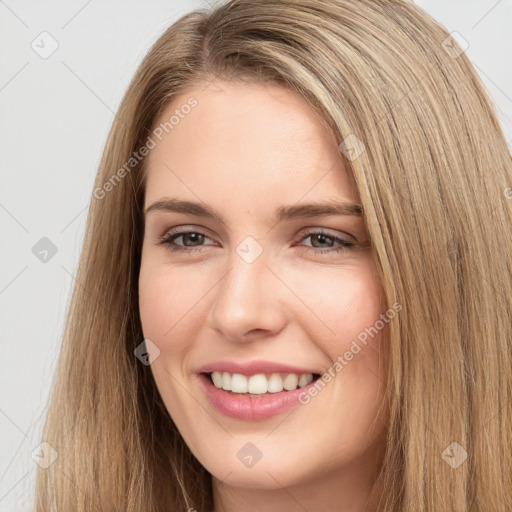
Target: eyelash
{"points": [[345, 245]]}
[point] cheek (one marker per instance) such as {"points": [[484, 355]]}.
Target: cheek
{"points": [[336, 302], [170, 301], [352, 305], [169, 306], [155, 302], [360, 303], [347, 303], [342, 301]]}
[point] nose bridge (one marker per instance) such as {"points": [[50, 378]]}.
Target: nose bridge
{"points": [[247, 297]]}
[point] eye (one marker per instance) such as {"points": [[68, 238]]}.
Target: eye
{"points": [[190, 241], [323, 242]]}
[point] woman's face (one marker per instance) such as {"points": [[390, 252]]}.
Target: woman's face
{"points": [[252, 279]]}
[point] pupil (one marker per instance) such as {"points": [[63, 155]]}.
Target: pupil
{"points": [[322, 238], [195, 238]]}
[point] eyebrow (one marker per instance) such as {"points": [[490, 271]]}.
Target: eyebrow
{"points": [[298, 211]]}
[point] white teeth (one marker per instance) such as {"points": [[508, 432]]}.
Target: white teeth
{"points": [[238, 383], [226, 381], [257, 384], [217, 379], [303, 380], [260, 383], [290, 382], [275, 383]]}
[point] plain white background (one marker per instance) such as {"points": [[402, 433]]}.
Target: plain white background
{"points": [[55, 116]]}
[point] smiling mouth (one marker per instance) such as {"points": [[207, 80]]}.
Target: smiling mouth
{"points": [[260, 384]]}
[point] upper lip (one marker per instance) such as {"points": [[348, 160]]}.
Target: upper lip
{"points": [[252, 367]]}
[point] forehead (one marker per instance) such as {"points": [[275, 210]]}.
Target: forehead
{"points": [[254, 140]]}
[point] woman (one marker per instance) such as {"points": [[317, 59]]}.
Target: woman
{"points": [[295, 282]]}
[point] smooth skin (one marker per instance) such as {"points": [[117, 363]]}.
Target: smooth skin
{"points": [[246, 150]]}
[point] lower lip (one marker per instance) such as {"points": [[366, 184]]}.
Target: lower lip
{"points": [[251, 409]]}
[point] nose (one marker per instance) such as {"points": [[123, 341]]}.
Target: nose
{"points": [[248, 302]]}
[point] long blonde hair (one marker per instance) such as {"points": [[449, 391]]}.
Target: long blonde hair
{"points": [[434, 180]]}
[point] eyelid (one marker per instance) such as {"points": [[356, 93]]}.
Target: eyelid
{"points": [[343, 244], [304, 232], [311, 230], [187, 228]]}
